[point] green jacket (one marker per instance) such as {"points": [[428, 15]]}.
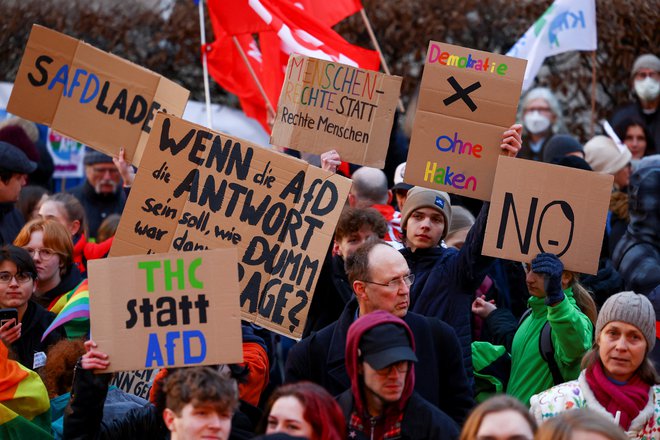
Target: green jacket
{"points": [[572, 334]]}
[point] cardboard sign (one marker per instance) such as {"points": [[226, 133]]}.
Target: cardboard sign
{"points": [[166, 310], [137, 382], [198, 189], [90, 95], [467, 99], [325, 105], [538, 207]]}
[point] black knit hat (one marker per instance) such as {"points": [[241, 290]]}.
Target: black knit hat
{"points": [[560, 145]]}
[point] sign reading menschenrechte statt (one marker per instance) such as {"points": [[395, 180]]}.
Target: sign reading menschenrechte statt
{"points": [[326, 105], [467, 99], [90, 95], [166, 310]]}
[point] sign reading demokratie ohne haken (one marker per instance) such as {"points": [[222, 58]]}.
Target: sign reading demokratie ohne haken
{"points": [[90, 95], [326, 105], [467, 99], [198, 189], [166, 310]]}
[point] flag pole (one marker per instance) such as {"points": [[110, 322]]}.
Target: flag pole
{"points": [[593, 93], [205, 67], [269, 107], [383, 63]]}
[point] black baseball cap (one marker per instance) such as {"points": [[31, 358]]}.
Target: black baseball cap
{"points": [[14, 160], [385, 345]]}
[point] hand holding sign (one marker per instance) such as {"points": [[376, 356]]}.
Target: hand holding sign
{"points": [[94, 359], [512, 140], [330, 160]]}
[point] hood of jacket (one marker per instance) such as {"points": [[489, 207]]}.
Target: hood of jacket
{"points": [[355, 332]]}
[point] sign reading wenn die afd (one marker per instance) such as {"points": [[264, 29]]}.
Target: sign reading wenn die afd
{"points": [[166, 310], [467, 99], [90, 95]]}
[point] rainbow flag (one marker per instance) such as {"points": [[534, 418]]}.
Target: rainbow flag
{"points": [[24, 404], [72, 312]]}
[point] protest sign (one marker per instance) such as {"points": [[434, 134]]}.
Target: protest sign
{"points": [[198, 189], [326, 105], [137, 382], [538, 207], [90, 95], [467, 99], [166, 310]]}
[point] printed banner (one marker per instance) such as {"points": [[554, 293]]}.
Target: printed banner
{"points": [[166, 310], [198, 189], [90, 95], [68, 155], [538, 207], [326, 105], [467, 99]]}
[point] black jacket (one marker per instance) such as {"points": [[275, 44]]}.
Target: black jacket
{"points": [[11, 222], [332, 293], [98, 206], [421, 420], [70, 280], [446, 280], [35, 321], [440, 375]]}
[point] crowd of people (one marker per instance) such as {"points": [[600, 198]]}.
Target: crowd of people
{"points": [[411, 333]]}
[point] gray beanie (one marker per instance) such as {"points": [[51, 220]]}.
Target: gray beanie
{"points": [[461, 218], [633, 309], [646, 61], [419, 197]]}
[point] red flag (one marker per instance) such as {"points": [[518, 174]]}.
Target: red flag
{"points": [[328, 12]]}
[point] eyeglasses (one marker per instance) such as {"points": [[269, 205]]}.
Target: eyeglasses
{"points": [[44, 253], [401, 367], [395, 283], [544, 110], [20, 277], [100, 171]]}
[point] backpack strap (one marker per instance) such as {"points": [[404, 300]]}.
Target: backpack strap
{"points": [[547, 350]]}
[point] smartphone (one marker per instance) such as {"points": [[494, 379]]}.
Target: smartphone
{"points": [[8, 315]]}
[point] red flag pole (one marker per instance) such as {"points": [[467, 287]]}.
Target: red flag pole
{"points": [[383, 63], [269, 107]]}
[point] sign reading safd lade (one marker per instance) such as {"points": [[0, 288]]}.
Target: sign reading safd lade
{"points": [[166, 310], [90, 95], [198, 189], [326, 105], [467, 99]]}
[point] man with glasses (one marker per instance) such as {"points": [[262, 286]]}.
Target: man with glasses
{"points": [[17, 283], [101, 193], [381, 403], [381, 280]]}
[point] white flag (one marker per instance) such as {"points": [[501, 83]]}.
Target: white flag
{"points": [[566, 25]]}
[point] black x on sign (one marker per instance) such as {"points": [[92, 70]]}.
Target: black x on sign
{"points": [[462, 93]]}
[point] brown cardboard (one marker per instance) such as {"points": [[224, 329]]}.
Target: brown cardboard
{"points": [[480, 118], [96, 123], [362, 108], [519, 184], [284, 305], [194, 304]]}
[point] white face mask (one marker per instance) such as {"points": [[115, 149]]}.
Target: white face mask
{"points": [[536, 123], [647, 89]]}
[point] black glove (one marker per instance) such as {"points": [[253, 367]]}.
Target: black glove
{"points": [[551, 268]]}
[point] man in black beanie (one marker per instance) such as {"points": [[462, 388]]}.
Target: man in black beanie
{"points": [[101, 193]]}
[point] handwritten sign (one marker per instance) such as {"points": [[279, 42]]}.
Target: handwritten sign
{"points": [[326, 105], [137, 382], [467, 99], [198, 189], [90, 95], [166, 310], [538, 207]]}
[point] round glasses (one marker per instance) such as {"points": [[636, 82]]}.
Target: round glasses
{"points": [[44, 253]]}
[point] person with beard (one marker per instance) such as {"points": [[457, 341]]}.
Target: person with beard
{"points": [[382, 403], [541, 117], [101, 193]]}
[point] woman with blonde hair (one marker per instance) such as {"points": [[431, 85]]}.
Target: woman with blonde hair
{"points": [[582, 424], [618, 380], [501, 417], [50, 246]]}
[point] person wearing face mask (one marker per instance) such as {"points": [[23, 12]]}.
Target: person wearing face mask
{"points": [[541, 116], [645, 77]]}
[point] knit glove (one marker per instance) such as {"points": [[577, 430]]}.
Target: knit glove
{"points": [[551, 268]]}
